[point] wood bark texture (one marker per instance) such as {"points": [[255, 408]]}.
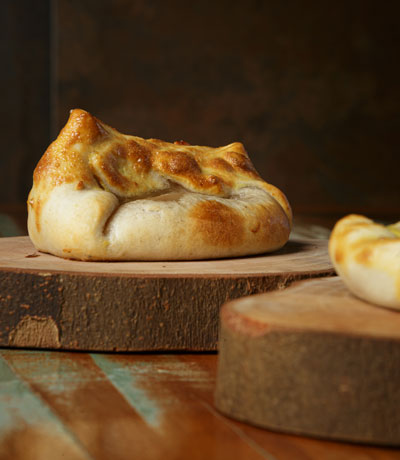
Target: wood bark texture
{"points": [[312, 360], [54, 303]]}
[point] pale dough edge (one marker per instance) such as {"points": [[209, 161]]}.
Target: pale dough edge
{"points": [[93, 225]]}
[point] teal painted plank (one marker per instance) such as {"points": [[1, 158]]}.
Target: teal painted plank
{"points": [[17, 403], [90, 405], [21, 408], [63, 373], [122, 376], [132, 376], [167, 367], [57, 371], [129, 406]]}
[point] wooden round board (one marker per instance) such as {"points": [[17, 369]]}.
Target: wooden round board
{"points": [[49, 302], [312, 360]]}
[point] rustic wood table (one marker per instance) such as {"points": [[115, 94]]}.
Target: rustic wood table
{"points": [[58, 405]]}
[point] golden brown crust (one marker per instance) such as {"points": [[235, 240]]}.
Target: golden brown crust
{"points": [[214, 171], [218, 224], [61, 163], [91, 156]]}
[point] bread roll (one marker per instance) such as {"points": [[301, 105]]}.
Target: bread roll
{"points": [[367, 257], [100, 195]]}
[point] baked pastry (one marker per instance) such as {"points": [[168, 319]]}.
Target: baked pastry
{"points": [[367, 257], [100, 195]]}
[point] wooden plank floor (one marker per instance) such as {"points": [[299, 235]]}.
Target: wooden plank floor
{"points": [[56, 405]]}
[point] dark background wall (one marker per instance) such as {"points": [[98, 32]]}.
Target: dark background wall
{"points": [[310, 87]]}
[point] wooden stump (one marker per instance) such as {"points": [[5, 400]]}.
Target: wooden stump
{"points": [[49, 302], [312, 360]]}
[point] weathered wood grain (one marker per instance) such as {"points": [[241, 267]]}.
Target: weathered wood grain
{"points": [[143, 406], [124, 407], [48, 302], [312, 359], [26, 424]]}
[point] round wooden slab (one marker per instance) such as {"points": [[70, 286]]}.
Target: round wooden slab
{"points": [[49, 302], [312, 360]]}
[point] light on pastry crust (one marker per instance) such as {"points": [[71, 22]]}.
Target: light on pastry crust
{"points": [[100, 195], [367, 257]]}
